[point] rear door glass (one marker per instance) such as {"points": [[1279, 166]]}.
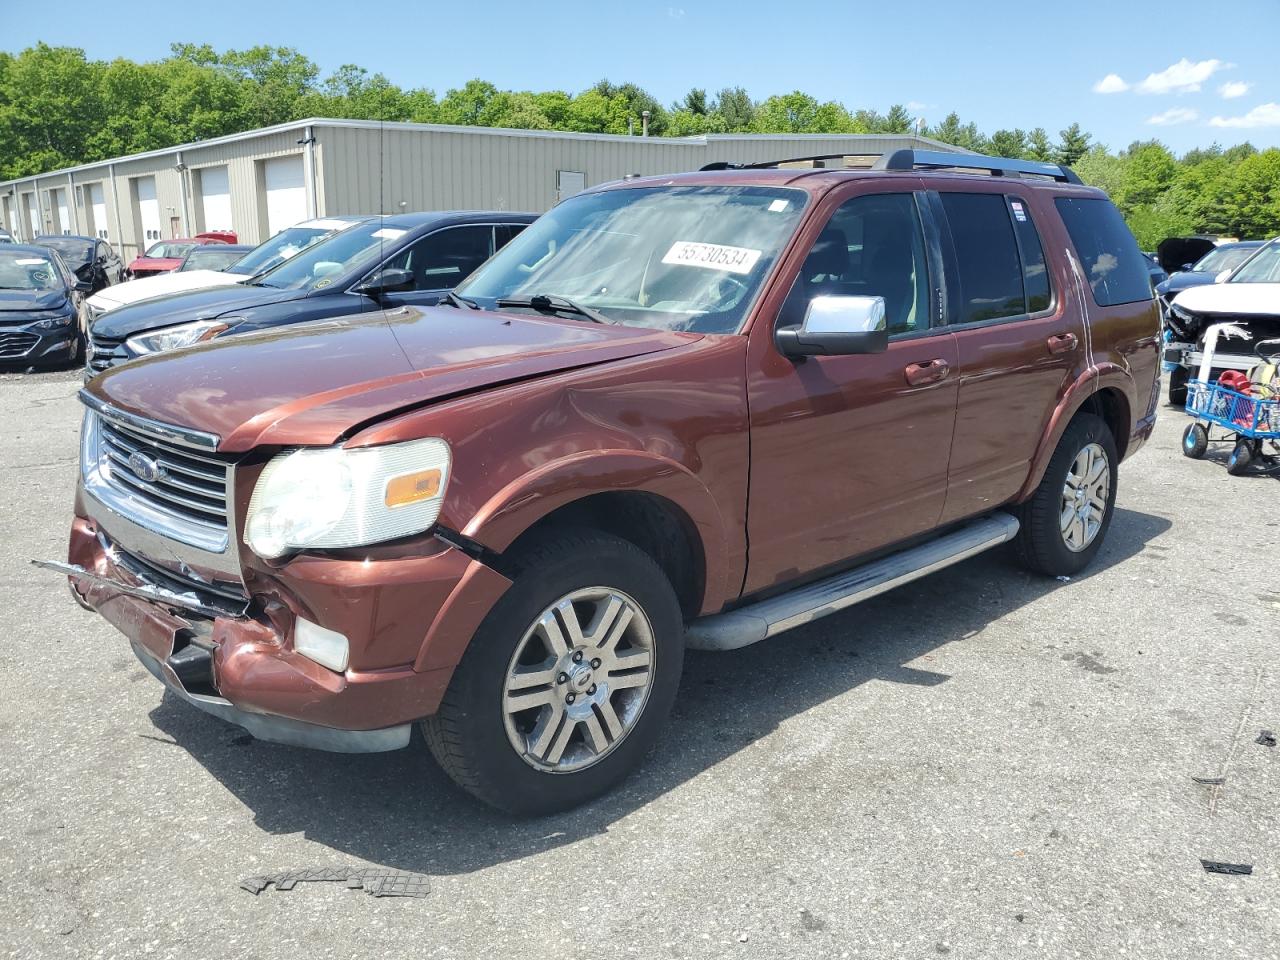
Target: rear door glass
{"points": [[1112, 263], [987, 256], [1035, 274]]}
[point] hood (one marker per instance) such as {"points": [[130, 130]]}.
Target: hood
{"points": [[314, 383], [1182, 280], [155, 263], [145, 288], [28, 300], [1176, 251], [204, 304], [1234, 299]]}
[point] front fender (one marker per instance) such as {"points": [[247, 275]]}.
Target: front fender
{"points": [[535, 495]]}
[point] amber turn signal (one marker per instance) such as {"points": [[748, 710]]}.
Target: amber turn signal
{"points": [[412, 488]]}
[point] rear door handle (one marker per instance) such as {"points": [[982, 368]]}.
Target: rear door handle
{"points": [[1063, 343], [930, 371]]}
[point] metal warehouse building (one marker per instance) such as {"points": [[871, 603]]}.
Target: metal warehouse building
{"points": [[259, 182]]}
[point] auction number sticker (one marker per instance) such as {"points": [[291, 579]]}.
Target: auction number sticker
{"points": [[712, 256]]}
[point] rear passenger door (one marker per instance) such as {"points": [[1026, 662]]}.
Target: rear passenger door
{"points": [[440, 261], [1019, 347]]}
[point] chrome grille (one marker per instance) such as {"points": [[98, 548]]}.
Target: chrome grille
{"points": [[15, 345], [104, 352], [157, 481]]}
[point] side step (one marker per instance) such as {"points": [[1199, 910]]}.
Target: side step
{"points": [[759, 621]]}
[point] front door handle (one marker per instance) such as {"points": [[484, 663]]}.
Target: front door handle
{"points": [[931, 371], [1063, 343]]}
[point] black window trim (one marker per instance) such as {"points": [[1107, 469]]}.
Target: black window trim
{"points": [[954, 292], [493, 248]]}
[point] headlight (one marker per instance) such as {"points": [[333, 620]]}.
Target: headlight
{"points": [[170, 338], [337, 497], [55, 321]]}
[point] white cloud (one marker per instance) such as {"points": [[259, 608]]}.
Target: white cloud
{"points": [[1182, 77], [675, 13], [1233, 89], [1171, 118], [916, 106], [1111, 83], [1267, 115]]}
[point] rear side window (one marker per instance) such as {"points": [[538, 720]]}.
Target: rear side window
{"points": [[987, 255], [1034, 272], [1112, 262]]}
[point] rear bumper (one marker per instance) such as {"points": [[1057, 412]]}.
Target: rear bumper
{"points": [[254, 677]]}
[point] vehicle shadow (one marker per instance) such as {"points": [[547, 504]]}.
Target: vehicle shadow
{"points": [[401, 811]]}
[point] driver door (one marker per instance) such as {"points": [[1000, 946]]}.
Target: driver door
{"points": [[849, 454]]}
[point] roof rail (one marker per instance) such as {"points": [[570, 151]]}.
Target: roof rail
{"points": [[769, 164], [908, 159]]}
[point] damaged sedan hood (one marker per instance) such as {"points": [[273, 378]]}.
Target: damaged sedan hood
{"points": [[315, 383], [1232, 299]]}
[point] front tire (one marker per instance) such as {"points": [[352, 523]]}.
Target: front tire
{"points": [[568, 681], [1067, 518]]}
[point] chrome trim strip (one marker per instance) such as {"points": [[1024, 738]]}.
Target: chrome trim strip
{"points": [[182, 436], [148, 591], [767, 618]]}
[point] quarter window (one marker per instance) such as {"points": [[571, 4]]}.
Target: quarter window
{"points": [[991, 285], [1035, 273], [1112, 263]]}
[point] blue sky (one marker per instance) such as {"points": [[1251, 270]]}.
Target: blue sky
{"points": [[1188, 73]]}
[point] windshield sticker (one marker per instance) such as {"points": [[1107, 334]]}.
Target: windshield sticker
{"points": [[1018, 211], [388, 233], [40, 276], [712, 256], [779, 205]]}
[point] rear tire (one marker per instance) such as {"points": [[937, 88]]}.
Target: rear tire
{"points": [[1178, 378], [1241, 458], [1067, 518], [591, 637], [1195, 441]]}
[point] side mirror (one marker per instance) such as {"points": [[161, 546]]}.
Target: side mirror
{"points": [[835, 326], [1187, 266], [390, 280], [82, 286]]}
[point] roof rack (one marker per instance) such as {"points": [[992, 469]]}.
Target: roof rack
{"points": [[769, 164], [908, 159]]}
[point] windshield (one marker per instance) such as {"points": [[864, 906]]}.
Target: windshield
{"points": [[676, 258], [23, 270], [168, 250], [1264, 267], [320, 264], [74, 250], [280, 248], [1223, 258], [210, 258]]}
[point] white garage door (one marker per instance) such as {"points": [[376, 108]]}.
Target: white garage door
{"points": [[98, 203], [215, 193], [33, 215], [63, 214], [148, 210], [286, 193]]}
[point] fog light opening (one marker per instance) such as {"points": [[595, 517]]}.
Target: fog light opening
{"points": [[326, 647]]}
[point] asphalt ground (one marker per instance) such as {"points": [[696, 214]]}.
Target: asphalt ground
{"points": [[980, 764]]}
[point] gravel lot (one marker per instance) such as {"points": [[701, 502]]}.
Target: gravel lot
{"points": [[980, 764]]}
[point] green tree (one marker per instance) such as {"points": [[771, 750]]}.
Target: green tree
{"points": [[735, 107], [1149, 171], [1073, 145], [1098, 168], [1039, 147], [466, 106], [1009, 143]]}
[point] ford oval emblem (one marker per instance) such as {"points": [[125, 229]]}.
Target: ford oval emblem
{"points": [[144, 467]]}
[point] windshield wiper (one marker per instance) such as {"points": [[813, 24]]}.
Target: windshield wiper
{"points": [[454, 300], [545, 303]]}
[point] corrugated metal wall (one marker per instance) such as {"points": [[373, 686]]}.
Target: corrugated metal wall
{"points": [[363, 167]]}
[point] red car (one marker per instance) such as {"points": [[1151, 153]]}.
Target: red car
{"points": [[167, 255], [674, 412]]}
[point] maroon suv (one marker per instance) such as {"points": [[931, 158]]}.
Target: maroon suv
{"points": [[677, 411]]}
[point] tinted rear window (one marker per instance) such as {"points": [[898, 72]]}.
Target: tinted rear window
{"points": [[1112, 262], [1034, 270], [987, 255]]}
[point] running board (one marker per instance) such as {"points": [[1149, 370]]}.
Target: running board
{"points": [[766, 618]]}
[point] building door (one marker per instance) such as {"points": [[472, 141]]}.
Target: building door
{"points": [[215, 198], [98, 204], [569, 182], [286, 193], [148, 210], [62, 213], [33, 215]]}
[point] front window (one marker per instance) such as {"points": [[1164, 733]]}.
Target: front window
{"points": [[1263, 268], [322, 263], [73, 250], [168, 250], [285, 244], [675, 258], [1223, 258], [23, 270]]}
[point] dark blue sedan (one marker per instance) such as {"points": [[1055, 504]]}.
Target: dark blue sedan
{"points": [[39, 308], [410, 258]]}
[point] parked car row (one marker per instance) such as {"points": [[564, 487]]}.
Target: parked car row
{"points": [[510, 468]]}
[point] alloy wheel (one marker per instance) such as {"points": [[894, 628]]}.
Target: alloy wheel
{"points": [[1084, 497]]}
